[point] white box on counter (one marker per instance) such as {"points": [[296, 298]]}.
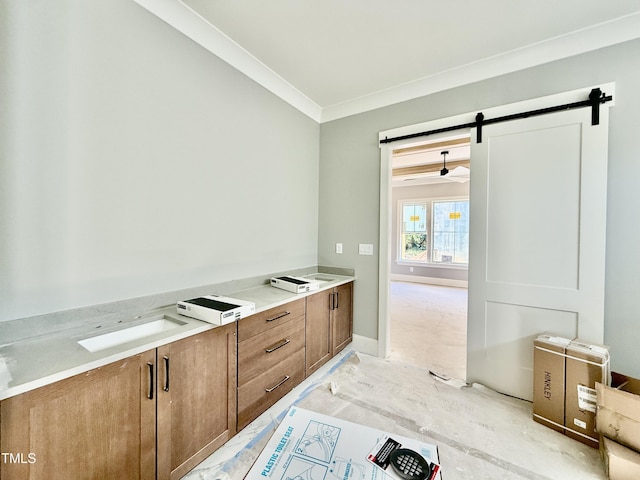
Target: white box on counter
{"points": [[295, 284], [216, 309]]}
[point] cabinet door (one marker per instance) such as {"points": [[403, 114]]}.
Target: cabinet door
{"points": [[318, 330], [342, 328], [196, 399], [96, 425]]}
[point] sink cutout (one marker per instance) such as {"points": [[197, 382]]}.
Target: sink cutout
{"points": [[320, 278], [119, 337]]}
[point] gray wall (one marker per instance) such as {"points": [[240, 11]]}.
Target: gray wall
{"points": [[134, 162], [349, 180], [432, 191]]}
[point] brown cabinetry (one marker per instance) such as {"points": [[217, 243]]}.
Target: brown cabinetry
{"points": [[318, 333], [342, 317], [158, 414], [329, 325], [270, 358], [105, 423], [99, 424], [196, 399]]}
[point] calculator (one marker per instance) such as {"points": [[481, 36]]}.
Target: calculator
{"points": [[409, 465]]}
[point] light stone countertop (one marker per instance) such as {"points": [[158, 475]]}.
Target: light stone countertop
{"points": [[40, 357]]}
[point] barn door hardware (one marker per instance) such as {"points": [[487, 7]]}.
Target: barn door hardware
{"points": [[596, 98]]}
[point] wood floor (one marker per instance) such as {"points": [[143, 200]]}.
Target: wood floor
{"points": [[429, 327]]}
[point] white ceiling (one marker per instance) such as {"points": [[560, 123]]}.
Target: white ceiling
{"points": [[333, 58]]}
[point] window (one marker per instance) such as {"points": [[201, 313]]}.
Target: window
{"points": [[435, 231], [414, 232], [450, 232]]}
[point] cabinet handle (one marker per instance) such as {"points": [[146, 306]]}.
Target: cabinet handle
{"points": [[166, 373], [269, 390], [278, 316], [150, 395], [280, 345], [333, 301]]}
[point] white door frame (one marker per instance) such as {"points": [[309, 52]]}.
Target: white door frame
{"points": [[386, 150]]}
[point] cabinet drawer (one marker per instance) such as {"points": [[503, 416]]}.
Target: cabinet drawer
{"points": [[258, 323], [259, 394], [261, 352]]}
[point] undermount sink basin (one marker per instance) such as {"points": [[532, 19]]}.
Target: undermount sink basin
{"points": [[125, 335], [320, 277]]}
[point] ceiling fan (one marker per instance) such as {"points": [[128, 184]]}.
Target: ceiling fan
{"points": [[459, 174]]}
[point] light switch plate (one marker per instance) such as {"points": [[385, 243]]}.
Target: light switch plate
{"points": [[365, 249], [338, 248]]}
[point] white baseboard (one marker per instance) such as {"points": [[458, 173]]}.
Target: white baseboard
{"points": [[365, 345], [447, 282]]}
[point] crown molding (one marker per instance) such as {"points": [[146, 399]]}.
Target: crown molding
{"points": [[592, 38], [197, 28]]}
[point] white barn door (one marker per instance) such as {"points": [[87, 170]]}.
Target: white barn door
{"points": [[538, 207]]}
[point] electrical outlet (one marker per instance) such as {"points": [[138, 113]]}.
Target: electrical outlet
{"points": [[338, 248], [365, 249]]}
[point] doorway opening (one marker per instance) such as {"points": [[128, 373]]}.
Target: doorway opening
{"points": [[520, 281], [429, 327], [430, 254]]}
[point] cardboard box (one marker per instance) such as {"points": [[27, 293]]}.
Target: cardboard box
{"points": [[310, 445], [586, 364], [618, 410], [549, 380], [565, 373], [620, 462]]}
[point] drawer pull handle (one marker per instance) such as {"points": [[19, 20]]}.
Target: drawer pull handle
{"points": [[276, 347], [150, 395], [269, 390], [278, 316]]}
